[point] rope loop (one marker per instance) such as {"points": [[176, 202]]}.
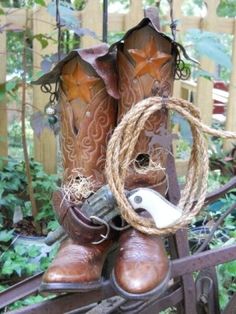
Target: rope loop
{"points": [[121, 146]]}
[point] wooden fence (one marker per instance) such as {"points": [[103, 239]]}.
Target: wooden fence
{"points": [[45, 149]]}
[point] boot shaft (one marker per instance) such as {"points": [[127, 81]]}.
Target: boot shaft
{"points": [[146, 66], [88, 116]]}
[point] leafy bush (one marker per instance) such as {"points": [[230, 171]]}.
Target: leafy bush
{"points": [[14, 194]]}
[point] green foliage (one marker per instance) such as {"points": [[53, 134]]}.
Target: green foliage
{"points": [[6, 236], [16, 261], [192, 7], [40, 2], [23, 260], [42, 39], [33, 299], [79, 4], [212, 46], [114, 37], [227, 8], [13, 190], [15, 45]]}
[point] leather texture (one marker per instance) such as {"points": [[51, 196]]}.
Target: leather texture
{"points": [[77, 263], [146, 65], [146, 68], [78, 227], [88, 116], [141, 264]]}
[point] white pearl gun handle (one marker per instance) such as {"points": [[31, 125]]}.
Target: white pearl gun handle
{"points": [[162, 211]]}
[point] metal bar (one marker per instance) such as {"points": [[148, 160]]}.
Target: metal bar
{"points": [[105, 21], [203, 260], [189, 301], [179, 268], [68, 302], [163, 303], [207, 292], [20, 290]]}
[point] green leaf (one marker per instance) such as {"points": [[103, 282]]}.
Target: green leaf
{"points": [[6, 236], [42, 39], [53, 225], [20, 250], [44, 262], [31, 268], [209, 44], [8, 268], [40, 2], [18, 269], [33, 251], [213, 50], [207, 75], [10, 85], [3, 287], [231, 268], [2, 11]]}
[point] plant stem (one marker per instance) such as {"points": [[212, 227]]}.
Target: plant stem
{"points": [[23, 130]]}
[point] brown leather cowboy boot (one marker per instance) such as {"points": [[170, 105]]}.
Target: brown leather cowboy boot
{"points": [[145, 63], [88, 114]]}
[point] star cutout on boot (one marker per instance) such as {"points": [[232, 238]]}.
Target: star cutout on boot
{"points": [[164, 138], [78, 84], [149, 60]]}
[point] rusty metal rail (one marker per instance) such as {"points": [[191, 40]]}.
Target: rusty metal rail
{"points": [[69, 302], [20, 290]]}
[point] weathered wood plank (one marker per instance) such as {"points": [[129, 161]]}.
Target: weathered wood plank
{"points": [[92, 19], [204, 88], [45, 146], [116, 22], [134, 15], [15, 18], [3, 107], [231, 107]]}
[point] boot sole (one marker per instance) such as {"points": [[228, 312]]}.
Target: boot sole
{"points": [[69, 287], [157, 291]]}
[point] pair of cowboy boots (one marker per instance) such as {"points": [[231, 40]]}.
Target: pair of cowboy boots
{"points": [[97, 87]]}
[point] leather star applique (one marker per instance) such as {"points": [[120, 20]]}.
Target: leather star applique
{"points": [[149, 60], [78, 84]]}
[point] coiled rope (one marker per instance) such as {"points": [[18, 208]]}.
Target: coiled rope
{"points": [[121, 147]]}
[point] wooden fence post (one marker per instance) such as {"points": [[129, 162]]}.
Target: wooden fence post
{"points": [[3, 107], [45, 146], [134, 15], [91, 18], [204, 87], [231, 106]]}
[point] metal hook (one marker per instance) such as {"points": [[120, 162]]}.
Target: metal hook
{"points": [[101, 222]]}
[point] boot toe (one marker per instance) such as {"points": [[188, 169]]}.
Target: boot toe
{"points": [[140, 279], [142, 268]]}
